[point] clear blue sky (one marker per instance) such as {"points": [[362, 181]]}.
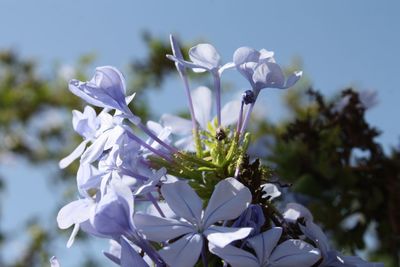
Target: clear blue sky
{"points": [[341, 43]]}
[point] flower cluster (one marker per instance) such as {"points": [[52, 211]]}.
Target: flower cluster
{"points": [[183, 192]]}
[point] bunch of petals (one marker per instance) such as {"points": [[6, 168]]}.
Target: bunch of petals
{"points": [[155, 219]]}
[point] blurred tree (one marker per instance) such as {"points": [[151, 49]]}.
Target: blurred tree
{"points": [[27, 99], [338, 169]]}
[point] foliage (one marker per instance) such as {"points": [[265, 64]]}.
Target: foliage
{"points": [[339, 170]]}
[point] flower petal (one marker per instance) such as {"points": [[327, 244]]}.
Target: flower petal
{"points": [[294, 211], [183, 200], [292, 79], [230, 113], [106, 89], [222, 236], [75, 212], [160, 229], [205, 55], [268, 75], [129, 256], [112, 215], [202, 101], [229, 199], [246, 60], [183, 252], [294, 252], [73, 235], [178, 125], [65, 162], [94, 151], [234, 256], [264, 243], [270, 190], [314, 232]]}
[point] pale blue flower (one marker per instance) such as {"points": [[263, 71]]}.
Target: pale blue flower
{"points": [[102, 131], [261, 70], [74, 213], [229, 199], [112, 215], [106, 89], [289, 253], [204, 57]]}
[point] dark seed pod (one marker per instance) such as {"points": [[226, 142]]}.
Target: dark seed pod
{"points": [[220, 134], [248, 97]]}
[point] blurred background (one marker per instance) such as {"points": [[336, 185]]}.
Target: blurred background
{"points": [[335, 135]]}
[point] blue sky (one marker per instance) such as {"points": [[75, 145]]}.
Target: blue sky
{"points": [[341, 43]]}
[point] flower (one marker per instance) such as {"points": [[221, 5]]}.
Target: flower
{"points": [[261, 70], [229, 199], [102, 131], [106, 89], [291, 252], [204, 57], [74, 213]]}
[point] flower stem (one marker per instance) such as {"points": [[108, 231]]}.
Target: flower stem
{"points": [[249, 111], [240, 121], [154, 202], [204, 254], [155, 138], [149, 147], [217, 86]]}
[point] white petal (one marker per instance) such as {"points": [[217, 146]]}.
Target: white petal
{"points": [[245, 54], [113, 136], [230, 113], [94, 151], [222, 236], [229, 199], [205, 55], [294, 211], [183, 200], [160, 229], [202, 102], [234, 256], [270, 190], [177, 124], [73, 235], [74, 212], [73, 156], [183, 252]]}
